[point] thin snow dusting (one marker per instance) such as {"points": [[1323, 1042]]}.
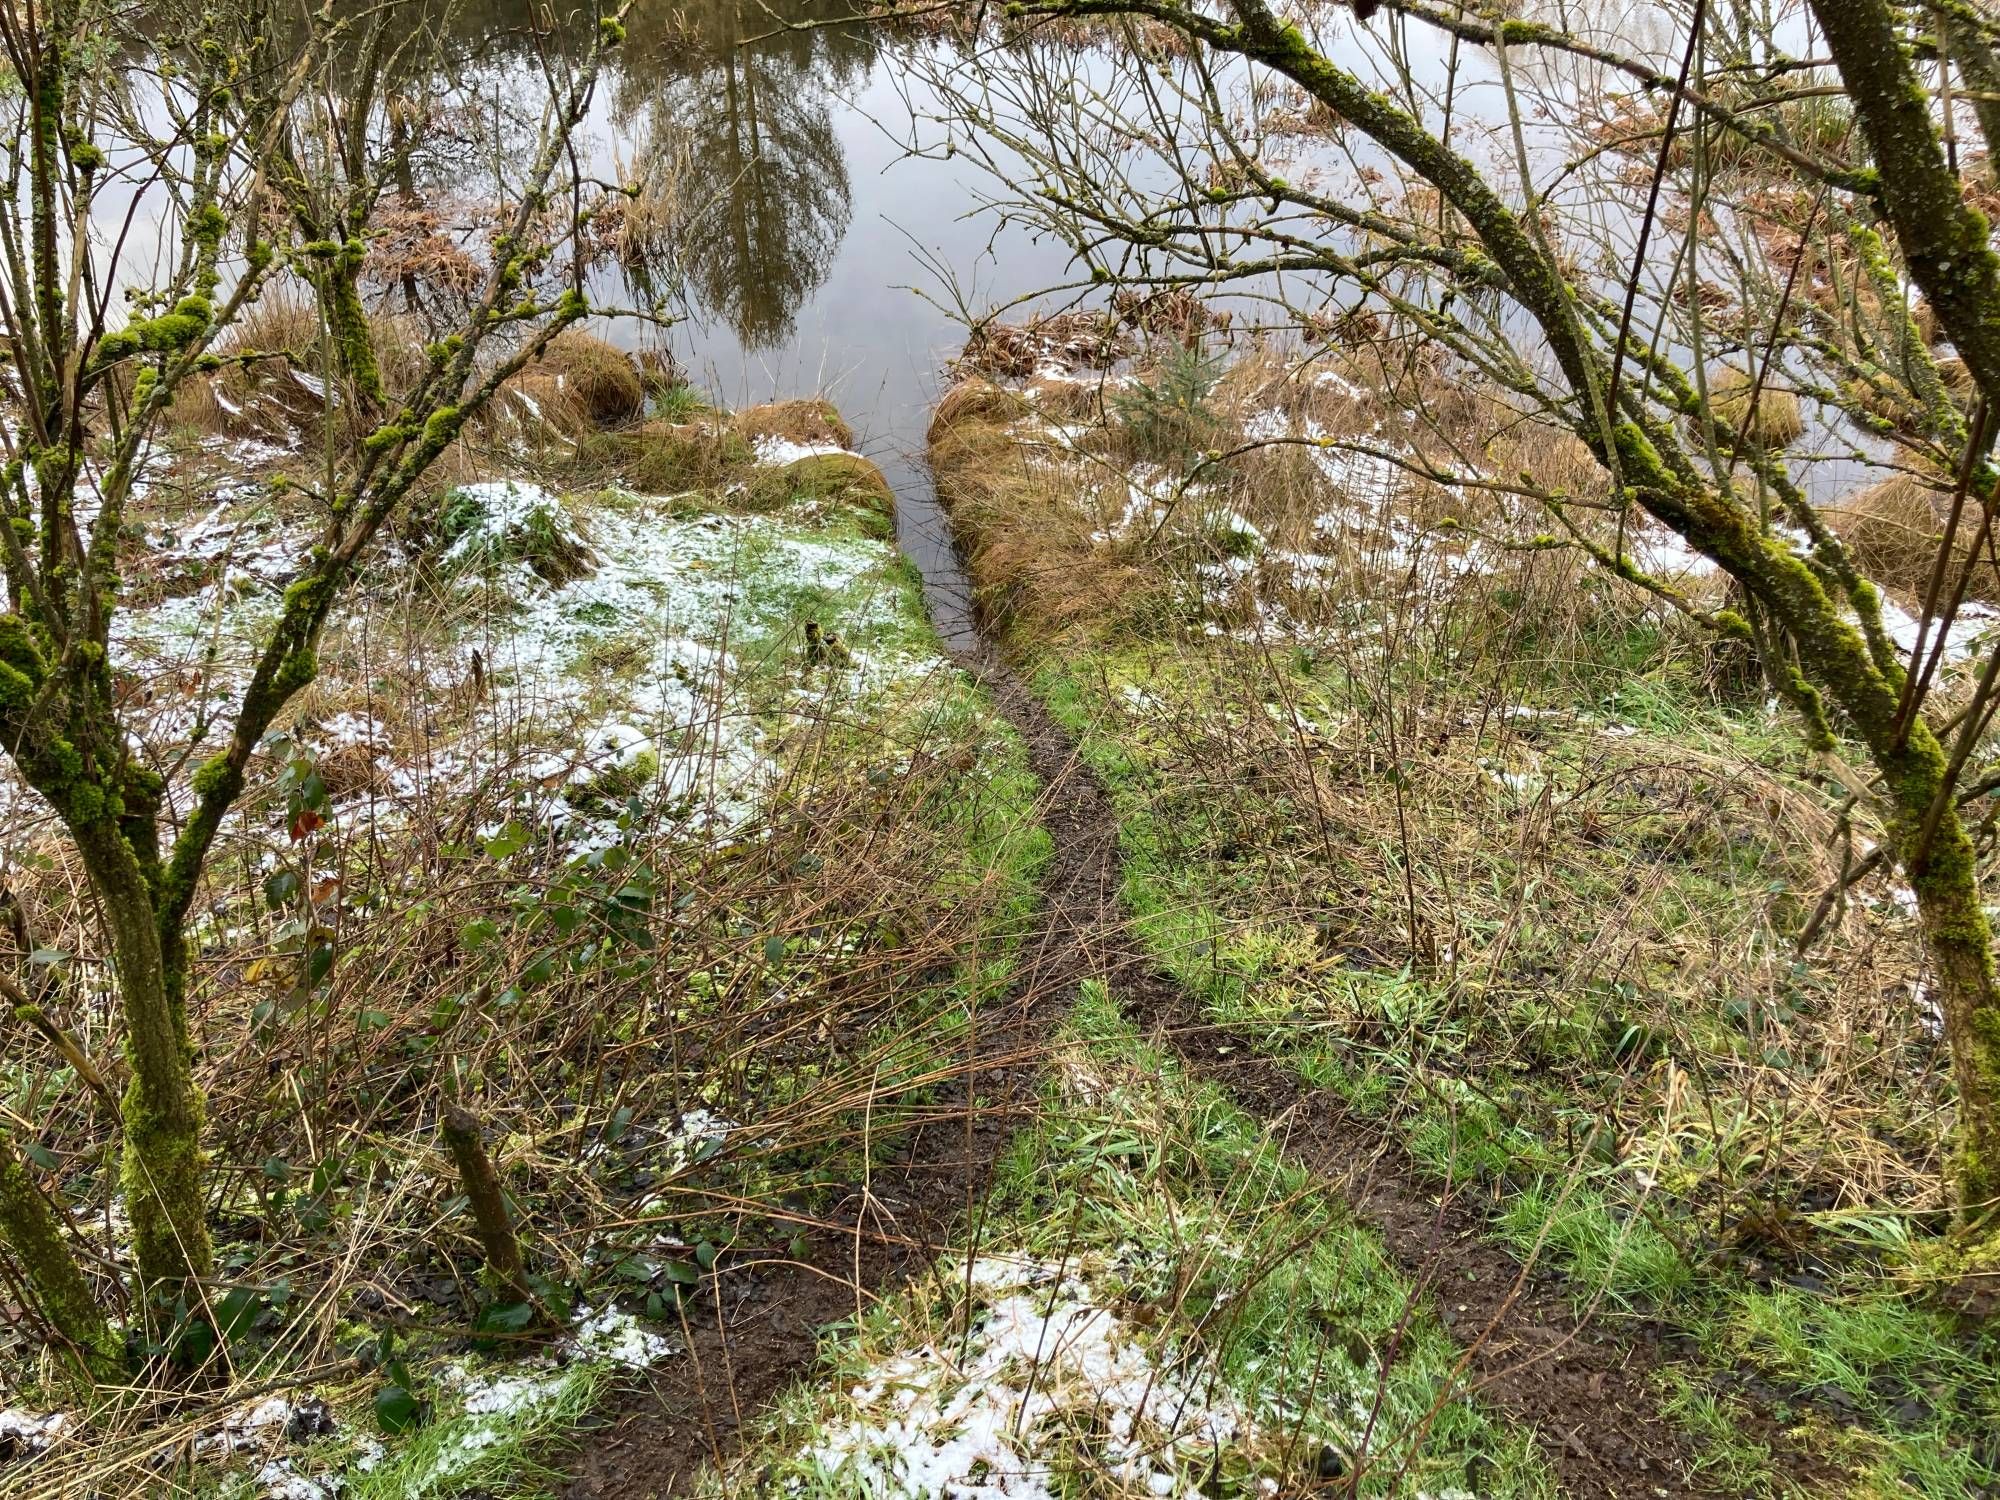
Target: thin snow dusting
{"points": [[643, 654], [279, 1479], [1049, 1361], [1340, 383], [618, 1338], [771, 449], [493, 1406], [497, 510], [256, 1422], [1362, 476], [1268, 426], [267, 1423], [1971, 629], [1930, 1015], [700, 1131]]}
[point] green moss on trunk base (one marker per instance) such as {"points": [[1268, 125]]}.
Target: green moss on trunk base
{"points": [[162, 1175], [1960, 941], [28, 1225], [163, 1106], [506, 1271]]}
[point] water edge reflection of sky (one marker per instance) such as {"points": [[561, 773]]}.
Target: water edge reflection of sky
{"points": [[810, 265]]}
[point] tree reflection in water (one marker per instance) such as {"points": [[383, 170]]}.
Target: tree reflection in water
{"points": [[722, 114], [748, 131]]}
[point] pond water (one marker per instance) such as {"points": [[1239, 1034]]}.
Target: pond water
{"points": [[816, 240], [813, 250]]}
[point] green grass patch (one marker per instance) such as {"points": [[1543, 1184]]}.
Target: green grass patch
{"points": [[1300, 942], [1197, 1314]]}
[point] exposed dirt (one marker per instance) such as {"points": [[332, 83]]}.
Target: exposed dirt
{"points": [[1587, 1386], [1587, 1389], [755, 1326]]}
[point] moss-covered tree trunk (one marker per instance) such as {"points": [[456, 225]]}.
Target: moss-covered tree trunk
{"points": [[1944, 875], [60, 721], [506, 1270], [1947, 244], [29, 1227], [162, 1108]]}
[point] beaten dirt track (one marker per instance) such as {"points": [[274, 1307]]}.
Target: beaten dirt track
{"points": [[1588, 1392]]}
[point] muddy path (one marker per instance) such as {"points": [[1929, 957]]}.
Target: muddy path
{"points": [[754, 1327], [1589, 1390], [1587, 1384]]}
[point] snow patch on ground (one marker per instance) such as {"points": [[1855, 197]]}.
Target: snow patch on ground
{"points": [[618, 1338], [279, 1479], [779, 451], [1365, 478], [1666, 555], [680, 607], [1049, 1361], [1971, 629], [33, 1432]]}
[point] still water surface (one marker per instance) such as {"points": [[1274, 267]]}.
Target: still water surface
{"points": [[808, 265]]}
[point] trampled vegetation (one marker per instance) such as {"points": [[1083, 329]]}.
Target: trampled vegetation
{"points": [[1434, 941]]}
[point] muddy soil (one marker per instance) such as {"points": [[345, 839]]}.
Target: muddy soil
{"points": [[755, 1326], [1588, 1389]]}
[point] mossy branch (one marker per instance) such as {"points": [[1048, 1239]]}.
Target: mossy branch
{"points": [[1943, 238]]}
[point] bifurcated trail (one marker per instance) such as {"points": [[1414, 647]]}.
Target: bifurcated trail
{"points": [[759, 1329], [1588, 1390]]}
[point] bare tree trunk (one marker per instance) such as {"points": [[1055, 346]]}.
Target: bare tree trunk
{"points": [[497, 1241], [29, 1227]]}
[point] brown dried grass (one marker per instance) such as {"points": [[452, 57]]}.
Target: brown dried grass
{"points": [[603, 378], [1018, 514], [536, 401], [973, 402], [1068, 400], [810, 420], [1779, 418], [1078, 339], [1893, 530], [257, 393]]}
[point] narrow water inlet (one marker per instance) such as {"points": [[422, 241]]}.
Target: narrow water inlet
{"points": [[923, 534]]}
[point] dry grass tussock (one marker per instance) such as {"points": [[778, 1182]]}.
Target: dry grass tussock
{"points": [[600, 377], [1893, 529], [538, 403], [279, 386], [276, 386], [1029, 547], [1103, 499], [1778, 419], [811, 423]]}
